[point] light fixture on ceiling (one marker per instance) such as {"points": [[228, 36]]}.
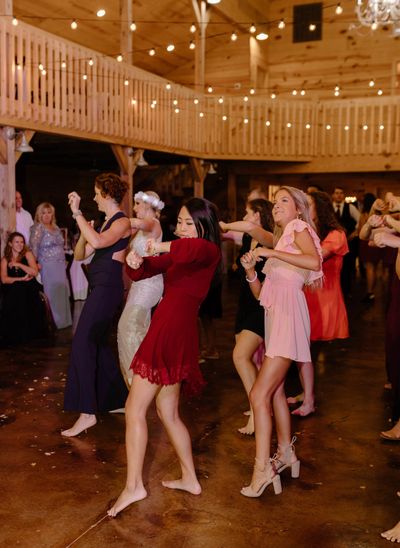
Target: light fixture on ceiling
{"points": [[211, 169], [262, 36], [376, 13], [213, 1], [141, 161], [23, 145]]}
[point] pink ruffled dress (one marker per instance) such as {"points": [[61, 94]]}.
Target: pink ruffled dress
{"points": [[287, 322]]}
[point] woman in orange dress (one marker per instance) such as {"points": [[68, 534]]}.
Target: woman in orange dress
{"points": [[328, 315]]}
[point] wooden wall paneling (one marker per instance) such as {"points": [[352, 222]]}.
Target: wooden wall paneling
{"points": [[397, 130], [57, 83], [19, 72], [381, 133], [63, 84], [7, 189], [11, 75], [3, 67]]}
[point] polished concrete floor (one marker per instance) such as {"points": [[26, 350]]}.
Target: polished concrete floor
{"points": [[54, 490]]}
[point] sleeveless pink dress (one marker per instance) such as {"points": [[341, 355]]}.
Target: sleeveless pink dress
{"points": [[287, 322]]}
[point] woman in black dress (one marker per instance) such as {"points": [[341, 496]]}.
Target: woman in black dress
{"points": [[257, 225], [94, 379], [23, 313]]}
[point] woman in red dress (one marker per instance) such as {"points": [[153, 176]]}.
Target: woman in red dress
{"points": [[328, 315], [168, 355]]}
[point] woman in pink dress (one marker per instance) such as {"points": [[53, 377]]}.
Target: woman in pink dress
{"points": [[326, 305], [295, 261], [168, 354]]}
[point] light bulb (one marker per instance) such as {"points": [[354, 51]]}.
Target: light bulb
{"points": [[281, 24], [246, 120], [224, 118], [15, 21], [63, 65], [177, 111], [380, 92], [381, 127], [168, 86], [220, 100], [308, 126], [365, 127], [328, 127], [252, 29], [192, 28], [267, 123], [90, 62], [371, 83], [346, 128], [312, 27], [119, 58], [302, 92], [289, 125], [126, 83], [252, 91], [234, 36], [192, 45], [133, 101], [152, 52], [74, 25], [201, 114], [175, 102], [84, 77], [170, 47], [262, 36], [41, 67], [196, 101], [210, 89], [132, 26], [101, 12], [273, 96], [44, 72], [339, 9], [294, 92], [374, 25]]}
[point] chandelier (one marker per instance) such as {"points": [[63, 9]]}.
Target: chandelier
{"points": [[375, 13]]}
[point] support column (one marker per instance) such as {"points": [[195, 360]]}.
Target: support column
{"points": [[7, 187], [202, 18], [199, 173], [127, 164], [126, 38], [232, 198]]}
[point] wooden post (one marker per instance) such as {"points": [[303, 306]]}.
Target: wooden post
{"points": [[126, 42], [6, 7], [232, 197], [127, 164], [202, 18], [7, 187], [199, 173]]}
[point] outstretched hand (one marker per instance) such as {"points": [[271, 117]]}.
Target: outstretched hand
{"points": [[73, 201], [134, 260], [383, 239]]}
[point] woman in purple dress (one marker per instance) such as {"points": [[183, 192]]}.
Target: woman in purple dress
{"points": [[94, 379]]}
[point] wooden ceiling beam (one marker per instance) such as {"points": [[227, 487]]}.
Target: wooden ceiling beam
{"points": [[240, 12]]}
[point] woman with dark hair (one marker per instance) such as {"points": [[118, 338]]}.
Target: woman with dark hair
{"points": [[23, 313], [328, 316], [257, 225], [94, 380], [168, 355]]}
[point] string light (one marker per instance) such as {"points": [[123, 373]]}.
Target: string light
{"points": [[132, 26], [126, 83], [133, 101], [234, 36], [90, 62], [170, 47], [328, 127], [262, 36], [380, 92], [252, 91], [371, 83], [201, 114], [192, 45], [346, 128], [74, 25], [152, 52], [365, 127], [381, 127], [177, 111], [246, 120], [267, 123], [252, 28], [175, 102], [337, 88], [192, 28], [210, 89], [289, 125], [281, 24], [308, 126], [101, 12], [294, 92], [302, 92], [374, 25], [336, 93], [84, 77], [245, 98], [312, 27], [153, 105], [168, 86], [18, 66], [220, 100], [15, 21], [339, 9], [41, 67], [63, 65], [196, 101], [119, 58], [44, 72], [273, 95]]}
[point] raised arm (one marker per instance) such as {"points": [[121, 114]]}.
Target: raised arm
{"points": [[264, 237], [308, 257]]}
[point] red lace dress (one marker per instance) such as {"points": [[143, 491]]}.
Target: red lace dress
{"points": [[169, 352]]}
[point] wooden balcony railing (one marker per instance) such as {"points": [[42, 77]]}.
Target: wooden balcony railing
{"points": [[52, 85]]}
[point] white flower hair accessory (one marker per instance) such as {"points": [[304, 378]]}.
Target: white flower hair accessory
{"points": [[151, 200]]}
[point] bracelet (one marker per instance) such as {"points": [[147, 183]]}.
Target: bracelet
{"points": [[253, 280], [76, 214]]}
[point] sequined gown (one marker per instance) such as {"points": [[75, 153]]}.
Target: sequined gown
{"points": [[48, 248], [135, 319], [94, 381]]}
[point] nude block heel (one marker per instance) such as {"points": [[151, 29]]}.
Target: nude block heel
{"points": [[295, 469]]}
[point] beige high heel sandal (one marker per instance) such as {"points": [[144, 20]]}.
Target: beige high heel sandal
{"points": [[262, 477], [287, 459]]}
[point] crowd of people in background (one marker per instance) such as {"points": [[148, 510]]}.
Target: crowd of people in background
{"points": [[298, 256]]}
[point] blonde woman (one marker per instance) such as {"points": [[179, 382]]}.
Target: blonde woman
{"points": [[294, 262], [143, 294], [47, 244]]}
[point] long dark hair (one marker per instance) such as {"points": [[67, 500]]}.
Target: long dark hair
{"points": [[326, 219], [206, 220], [8, 249], [264, 208], [205, 217]]}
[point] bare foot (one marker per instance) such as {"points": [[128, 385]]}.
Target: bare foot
{"points": [[392, 534], [192, 486], [304, 410], [393, 434], [249, 428], [84, 422], [126, 498], [295, 399]]}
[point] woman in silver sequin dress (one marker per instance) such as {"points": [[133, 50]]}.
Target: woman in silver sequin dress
{"points": [[143, 294], [47, 244]]}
